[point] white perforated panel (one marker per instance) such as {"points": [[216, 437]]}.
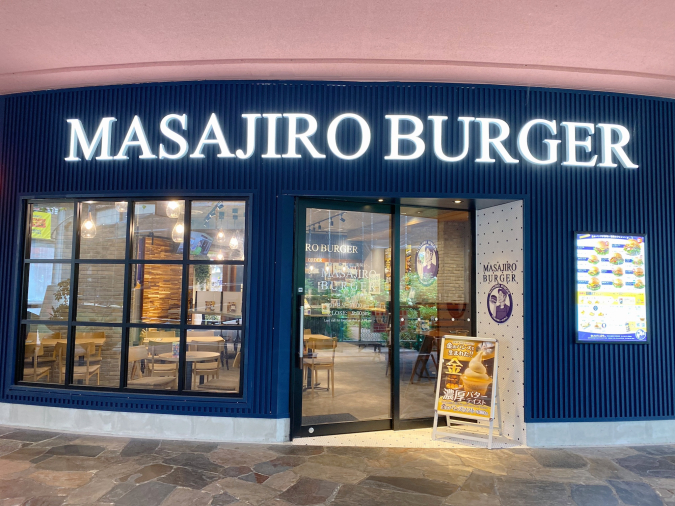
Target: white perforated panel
{"points": [[499, 241]]}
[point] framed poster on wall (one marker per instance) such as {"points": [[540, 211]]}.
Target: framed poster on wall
{"points": [[611, 299]]}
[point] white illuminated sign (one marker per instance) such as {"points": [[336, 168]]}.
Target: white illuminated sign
{"points": [[405, 137]]}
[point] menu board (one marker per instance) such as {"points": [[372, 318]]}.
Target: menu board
{"points": [[611, 299], [466, 385]]}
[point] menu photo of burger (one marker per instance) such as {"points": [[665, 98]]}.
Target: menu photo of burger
{"points": [[594, 284], [618, 283], [593, 259], [602, 248], [639, 272], [639, 284], [632, 248], [617, 271], [638, 261], [593, 271], [616, 259]]}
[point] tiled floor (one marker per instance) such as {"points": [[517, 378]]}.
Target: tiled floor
{"points": [[50, 469]]}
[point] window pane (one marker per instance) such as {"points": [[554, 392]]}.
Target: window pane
{"points": [[158, 230], [41, 344], [213, 360], [435, 280], [218, 230], [215, 294], [153, 359], [97, 356], [156, 293], [51, 230], [48, 291], [100, 292], [103, 230], [347, 300]]}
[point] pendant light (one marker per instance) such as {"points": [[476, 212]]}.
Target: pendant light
{"points": [[178, 231], [220, 255], [234, 241], [88, 227], [220, 235], [121, 207], [173, 209]]}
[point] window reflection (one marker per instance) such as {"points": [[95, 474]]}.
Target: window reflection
{"points": [[51, 230], [215, 294], [107, 233], [158, 230], [213, 360], [156, 293], [435, 281], [153, 358], [48, 296], [97, 356], [218, 230], [40, 360], [100, 292]]}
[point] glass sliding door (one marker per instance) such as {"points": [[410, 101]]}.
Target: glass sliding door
{"points": [[435, 298], [377, 287], [344, 270]]}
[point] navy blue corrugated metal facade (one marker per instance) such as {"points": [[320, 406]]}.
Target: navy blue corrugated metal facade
{"points": [[564, 380]]}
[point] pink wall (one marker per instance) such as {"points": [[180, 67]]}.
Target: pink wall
{"points": [[620, 45]]}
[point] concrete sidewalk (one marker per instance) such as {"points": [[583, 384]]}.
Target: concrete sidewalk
{"points": [[40, 468]]}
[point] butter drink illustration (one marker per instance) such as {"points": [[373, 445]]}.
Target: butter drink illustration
{"points": [[475, 378]]}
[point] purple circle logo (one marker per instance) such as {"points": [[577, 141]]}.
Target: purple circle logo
{"points": [[426, 263], [500, 303]]}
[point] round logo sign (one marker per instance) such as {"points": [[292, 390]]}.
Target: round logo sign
{"points": [[426, 263], [500, 303]]}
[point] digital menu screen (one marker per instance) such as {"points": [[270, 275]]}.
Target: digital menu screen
{"points": [[611, 299]]}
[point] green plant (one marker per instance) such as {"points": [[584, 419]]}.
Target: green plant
{"points": [[428, 313], [61, 295], [202, 274], [416, 292]]}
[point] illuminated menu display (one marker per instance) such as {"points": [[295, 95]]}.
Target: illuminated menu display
{"points": [[610, 288]]}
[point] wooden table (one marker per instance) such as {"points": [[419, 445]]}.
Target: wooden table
{"points": [[200, 339], [190, 356], [48, 341]]}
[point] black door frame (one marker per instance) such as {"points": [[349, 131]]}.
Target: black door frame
{"points": [[394, 421]]}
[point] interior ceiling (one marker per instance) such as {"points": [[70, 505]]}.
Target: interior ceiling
{"points": [[612, 45]]}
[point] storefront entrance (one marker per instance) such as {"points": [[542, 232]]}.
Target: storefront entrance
{"points": [[377, 286]]}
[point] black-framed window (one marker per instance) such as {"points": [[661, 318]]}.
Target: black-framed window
{"points": [[139, 294]]}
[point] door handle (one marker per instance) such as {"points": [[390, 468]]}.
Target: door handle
{"points": [[301, 330]]}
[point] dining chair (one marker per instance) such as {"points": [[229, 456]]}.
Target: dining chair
{"points": [[426, 352], [158, 367], [314, 363], [47, 354], [98, 339], [207, 369], [80, 372], [32, 371], [136, 354]]}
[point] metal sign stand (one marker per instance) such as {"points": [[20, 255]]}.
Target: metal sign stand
{"points": [[454, 419]]}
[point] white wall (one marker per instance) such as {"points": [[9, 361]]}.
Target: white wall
{"points": [[499, 239]]}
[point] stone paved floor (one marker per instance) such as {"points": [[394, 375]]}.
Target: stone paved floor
{"points": [[48, 469]]}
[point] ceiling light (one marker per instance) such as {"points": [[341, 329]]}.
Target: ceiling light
{"points": [[458, 201], [121, 206], [380, 200]]}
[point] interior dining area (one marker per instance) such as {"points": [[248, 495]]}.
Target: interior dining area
{"points": [[350, 280], [141, 295]]}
